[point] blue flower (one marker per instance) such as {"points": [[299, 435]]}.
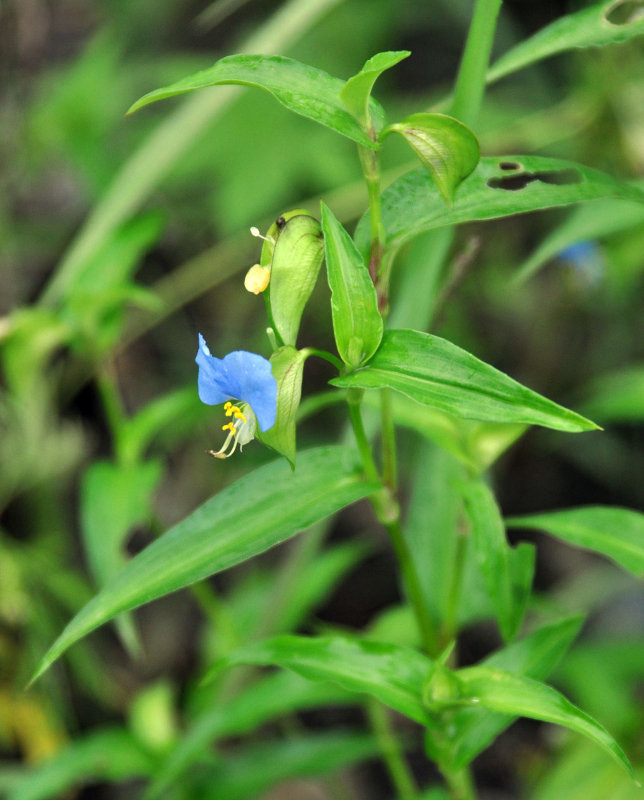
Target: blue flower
{"points": [[246, 378]]}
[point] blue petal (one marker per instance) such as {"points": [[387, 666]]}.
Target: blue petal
{"points": [[254, 382], [242, 376]]}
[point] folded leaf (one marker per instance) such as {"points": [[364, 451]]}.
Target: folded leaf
{"points": [[356, 92], [437, 373], [248, 517], [357, 323]]}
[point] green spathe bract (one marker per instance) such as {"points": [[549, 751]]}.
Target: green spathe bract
{"points": [[447, 148], [295, 264], [435, 372], [250, 516], [288, 365], [307, 91]]}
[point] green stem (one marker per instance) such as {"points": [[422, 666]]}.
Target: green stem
{"points": [[470, 83], [389, 466], [460, 783], [327, 357], [399, 771], [387, 512]]}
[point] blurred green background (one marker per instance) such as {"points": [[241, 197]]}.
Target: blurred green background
{"points": [[120, 238]]}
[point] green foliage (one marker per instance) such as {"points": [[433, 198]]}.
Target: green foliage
{"points": [[102, 429], [356, 92], [303, 89], [253, 514], [357, 324], [617, 533], [435, 372]]}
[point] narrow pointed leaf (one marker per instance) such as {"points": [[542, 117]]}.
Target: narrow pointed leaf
{"points": [[357, 323], [534, 656], [272, 696], [356, 92], [287, 364], [498, 690], [437, 373], [447, 148], [392, 674], [617, 533], [307, 91], [496, 559], [610, 22], [257, 512], [498, 187]]}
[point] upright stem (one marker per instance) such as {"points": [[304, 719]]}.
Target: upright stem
{"points": [[470, 83], [387, 511], [399, 772], [389, 465]]}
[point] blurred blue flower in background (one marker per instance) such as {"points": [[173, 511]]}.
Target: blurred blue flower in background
{"points": [[586, 258]]}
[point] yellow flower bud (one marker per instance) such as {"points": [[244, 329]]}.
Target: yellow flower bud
{"points": [[257, 279]]}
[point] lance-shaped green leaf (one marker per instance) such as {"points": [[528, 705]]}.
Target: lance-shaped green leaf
{"points": [[357, 323], [253, 769], [296, 260], [288, 365], [307, 91], [498, 187], [248, 517], [610, 22], [498, 690], [617, 533], [115, 498], [274, 695], [356, 92], [534, 656], [447, 148], [392, 674], [507, 572], [435, 372]]}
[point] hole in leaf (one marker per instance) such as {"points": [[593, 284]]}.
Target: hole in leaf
{"points": [[514, 183], [624, 12], [509, 165]]}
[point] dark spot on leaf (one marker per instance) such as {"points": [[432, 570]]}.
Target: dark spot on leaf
{"points": [[280, 222], [509, 165], [624, 12], [514, 183]]}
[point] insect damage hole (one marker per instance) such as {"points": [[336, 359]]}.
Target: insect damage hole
{"points": [[624, 12], [513, 183], [509, 165]]}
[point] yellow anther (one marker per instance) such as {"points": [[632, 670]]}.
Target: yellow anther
{"points": [[228, 427], [239, 415], [227, 405], [257, 279], [231, 409]]}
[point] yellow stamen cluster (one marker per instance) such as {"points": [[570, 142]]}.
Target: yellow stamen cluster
{"points": [[232, 411]]}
